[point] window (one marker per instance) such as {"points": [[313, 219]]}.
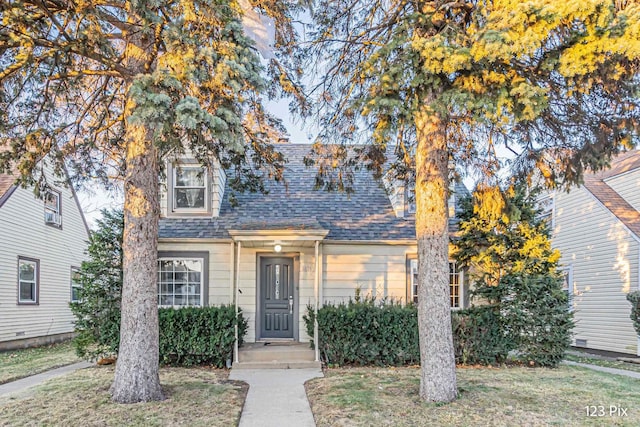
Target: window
{"points": [[52, 214], [180, 282], [545, 206], [411, 199], [189, 188], [455, 282], [75, 284], [567, 284], [28, 275]]}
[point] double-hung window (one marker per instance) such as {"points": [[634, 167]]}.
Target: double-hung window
{"points": [[180, 282], [567, 284], [28, 275], [189, 188], [455, 283], [52, 211], [75, 284]]}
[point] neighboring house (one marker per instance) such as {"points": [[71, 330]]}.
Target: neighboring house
{"points": [[42, 246], [276, 253], [596, 227]]}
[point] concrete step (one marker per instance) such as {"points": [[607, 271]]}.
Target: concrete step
{"points": [[276, 352], [276, 365]]}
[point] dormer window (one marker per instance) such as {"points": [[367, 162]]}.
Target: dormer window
{"points": [[52, 211], [190, 188], [411, 201]]}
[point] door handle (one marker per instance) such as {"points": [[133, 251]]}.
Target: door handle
{"points": [[290, 304]]}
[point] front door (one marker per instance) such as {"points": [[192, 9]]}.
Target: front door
{"points": [[276, 297]]}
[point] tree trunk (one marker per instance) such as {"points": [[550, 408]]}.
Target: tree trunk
{"points": [[137, 378], [437, 359]]}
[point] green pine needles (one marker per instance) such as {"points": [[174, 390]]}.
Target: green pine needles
{"points": [[506, 247]]}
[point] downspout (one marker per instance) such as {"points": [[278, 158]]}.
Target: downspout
{"points": [[317, 295], [236, 360]]}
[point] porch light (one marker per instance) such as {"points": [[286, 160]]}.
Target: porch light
{"points": [[277, 248]]}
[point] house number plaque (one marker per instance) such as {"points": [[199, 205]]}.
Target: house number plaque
{"points": [[277, 282]]}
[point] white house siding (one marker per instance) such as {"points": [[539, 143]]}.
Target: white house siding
{"points": [[24, 233], [627, 185], [377, 270], [603, 257]]}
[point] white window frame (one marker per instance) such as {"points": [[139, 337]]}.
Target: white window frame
{"points": [[413, 271], [160, 283], [175, 187], [74, 284], [567, 276], [53, 215], [35, 282], [547, 206]]}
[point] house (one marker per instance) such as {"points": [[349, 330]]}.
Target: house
{"points": [[42, 247], [596, 227], [277, 253]]}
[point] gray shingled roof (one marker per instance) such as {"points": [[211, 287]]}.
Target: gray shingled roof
{"points": [[365, 215]]}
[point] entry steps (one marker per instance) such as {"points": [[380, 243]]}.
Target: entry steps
{"points": [[276, 355]]}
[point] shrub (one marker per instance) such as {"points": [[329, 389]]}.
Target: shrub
{"points": [[199, 335], [364, 333], [478, 336], [537, 320], [634, 299]]}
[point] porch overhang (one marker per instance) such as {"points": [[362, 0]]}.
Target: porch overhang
{"points": [[285, 237]]}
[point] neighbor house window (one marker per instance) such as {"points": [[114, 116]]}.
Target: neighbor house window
{"points": [[455, 283], [567, 284], [189, 188], [28, 275], [545, 206], [52, 214], [75, 284], [180, 282]]}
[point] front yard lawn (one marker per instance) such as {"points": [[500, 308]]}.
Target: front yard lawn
{"points": [[195, 397], [21, 363], [488, 396]]}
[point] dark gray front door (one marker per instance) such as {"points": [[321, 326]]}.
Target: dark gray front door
{"points": [[276, 297]]}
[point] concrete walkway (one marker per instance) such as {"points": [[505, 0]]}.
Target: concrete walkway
{"points": [[276, 397], [623, 372], [34, 380]]}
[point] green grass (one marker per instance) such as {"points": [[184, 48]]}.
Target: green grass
{"points": [[604, 362], [21, 363], [195, 397], [488, 396]]}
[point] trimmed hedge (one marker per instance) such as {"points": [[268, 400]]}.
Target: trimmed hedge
{"points": [[199, 335], [478, 337], [363, 333], [386, 334]]}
